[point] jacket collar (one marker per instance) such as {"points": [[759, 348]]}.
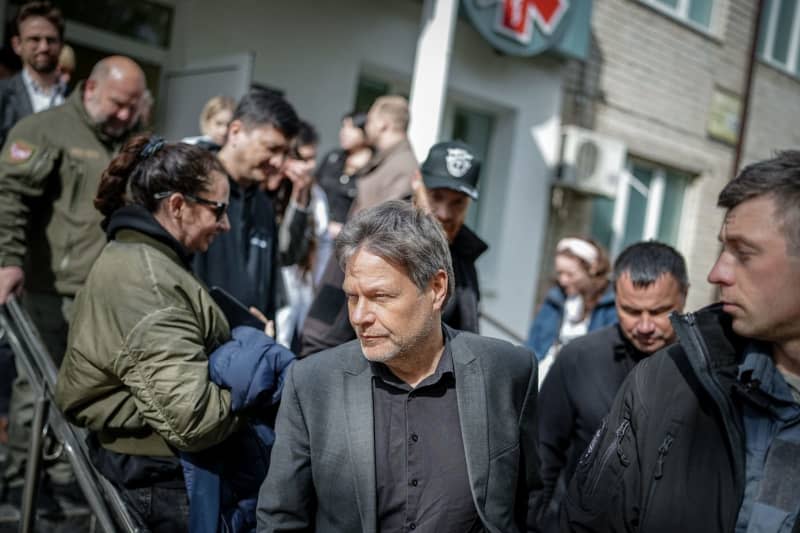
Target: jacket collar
{"points": [[468, 245], [713, 353], [624, 349], [709, 333], [473, 415], [23, 100], [133, 223]]}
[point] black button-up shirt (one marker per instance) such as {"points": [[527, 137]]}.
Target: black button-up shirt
{"points": [[420, 467]]}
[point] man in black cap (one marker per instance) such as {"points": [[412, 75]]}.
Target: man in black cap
{"points": [[448, 185], [445, 185]]}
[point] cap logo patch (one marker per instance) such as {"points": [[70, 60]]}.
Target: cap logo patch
{"points": [[19, 152], [459, 161]]}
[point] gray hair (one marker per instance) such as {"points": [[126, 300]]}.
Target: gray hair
{"points": [[778, 177], [645, 262], [402, 235]]}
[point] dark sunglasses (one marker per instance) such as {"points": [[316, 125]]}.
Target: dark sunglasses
{"points": [[219, 208]]}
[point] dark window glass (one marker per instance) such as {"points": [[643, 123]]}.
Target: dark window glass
{"points": [[783, 31], [143, 20], [368, 91]]}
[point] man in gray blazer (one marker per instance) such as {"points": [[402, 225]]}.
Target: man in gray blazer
{"points": [[38, 42], [413, 426]]}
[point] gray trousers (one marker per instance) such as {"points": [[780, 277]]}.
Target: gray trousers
{"points": [[50, 314]]}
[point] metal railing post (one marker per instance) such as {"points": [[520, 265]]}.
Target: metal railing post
{"points": [[33, 467]]}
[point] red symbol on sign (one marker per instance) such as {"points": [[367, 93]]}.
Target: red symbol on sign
{"points": [[515, 17]]}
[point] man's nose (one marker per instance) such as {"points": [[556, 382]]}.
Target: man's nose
{"points": [[646, 324], [360, 313], [442, 213], [721, 272], [278, 161], [124, 114]]}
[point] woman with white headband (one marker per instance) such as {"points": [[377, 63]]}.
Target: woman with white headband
{"points": [[582, 300]]}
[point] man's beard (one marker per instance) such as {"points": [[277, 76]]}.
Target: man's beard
{"points": [[44, 68], [115, 132], [408, 345]]}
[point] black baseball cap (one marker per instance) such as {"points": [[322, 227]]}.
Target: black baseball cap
{"points": [[452, 165]]}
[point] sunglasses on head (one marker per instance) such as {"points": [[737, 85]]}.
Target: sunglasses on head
{"points": [[219, 208]]}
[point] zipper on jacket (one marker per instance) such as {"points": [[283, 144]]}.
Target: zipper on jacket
{"points": [[619, 434], [663, 450], [658, 473]]}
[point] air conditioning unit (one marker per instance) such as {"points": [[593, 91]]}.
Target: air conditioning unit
{"points": [[590, 162]]}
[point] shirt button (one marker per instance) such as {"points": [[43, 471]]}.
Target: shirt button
{"points": [[414, 437], [414, 482], [412, 526]]}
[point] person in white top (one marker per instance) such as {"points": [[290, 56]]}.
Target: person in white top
{"points": [[582, 300], [300, 279]]}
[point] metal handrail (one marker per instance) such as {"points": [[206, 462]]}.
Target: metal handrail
{"points": [[499, 325], [34, 360]]}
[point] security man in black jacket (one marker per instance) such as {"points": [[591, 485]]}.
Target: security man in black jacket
{"points": [[704, 436], [650, 282]]}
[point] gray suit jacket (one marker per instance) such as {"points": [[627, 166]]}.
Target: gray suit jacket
{"points": [[322, 471], [15, 104]]}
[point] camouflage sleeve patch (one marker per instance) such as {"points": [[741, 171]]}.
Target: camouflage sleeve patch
{"points": [[18, 152]]}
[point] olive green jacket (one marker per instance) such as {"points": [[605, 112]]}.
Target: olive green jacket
{"points": [[50, 167], [136, 367]]}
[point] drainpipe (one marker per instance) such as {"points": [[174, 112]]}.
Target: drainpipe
{"points": [[748, 86]]}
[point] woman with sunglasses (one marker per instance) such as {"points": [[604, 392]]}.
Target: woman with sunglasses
{"points": [[136, 369]]}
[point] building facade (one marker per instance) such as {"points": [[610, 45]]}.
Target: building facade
{"points": [[662, 89], [666, 78], [329, 57]]}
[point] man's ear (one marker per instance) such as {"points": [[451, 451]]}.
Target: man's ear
{"points": [[439, 286], [89, 88], [234, 129]]}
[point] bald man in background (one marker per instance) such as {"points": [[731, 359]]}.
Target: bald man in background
{"points": [[50, 234]]}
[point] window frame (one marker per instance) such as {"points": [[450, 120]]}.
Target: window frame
{"points": [[769, 34], [681, 14], [654, 195]]}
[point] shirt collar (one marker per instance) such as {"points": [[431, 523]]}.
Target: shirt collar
{"points": [[57, 89], [758, 366]]}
